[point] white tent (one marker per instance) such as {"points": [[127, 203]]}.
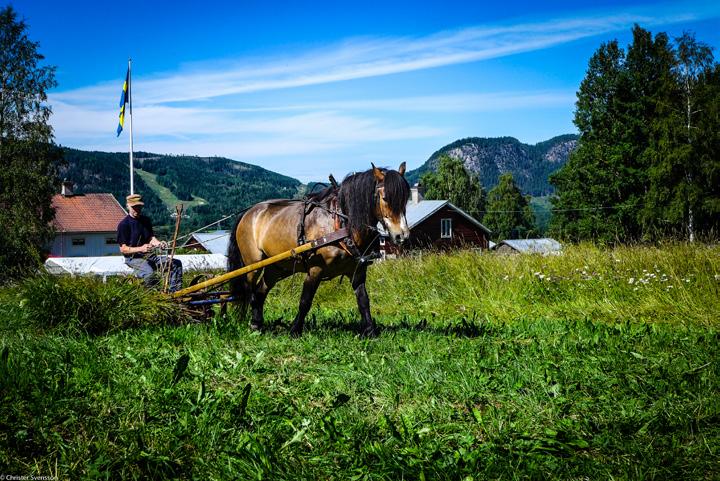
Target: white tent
{"points": [[115, 265]]}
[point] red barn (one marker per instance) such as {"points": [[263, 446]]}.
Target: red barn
{"points": [[438, 224]]}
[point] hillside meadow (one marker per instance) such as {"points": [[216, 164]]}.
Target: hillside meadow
{"points": [[595, 364]]}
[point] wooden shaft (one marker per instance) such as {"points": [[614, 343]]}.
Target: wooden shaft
{"points": [[244, 270], [178, 211]]}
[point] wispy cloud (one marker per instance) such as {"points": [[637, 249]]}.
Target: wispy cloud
{"points": [[365, 57], [188, 108]]}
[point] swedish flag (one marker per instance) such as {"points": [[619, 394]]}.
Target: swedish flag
{"points": [[124, 99]]}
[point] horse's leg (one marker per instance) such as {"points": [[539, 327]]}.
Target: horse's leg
{"points": [[312, 281], [368, 329], [257, 300]]}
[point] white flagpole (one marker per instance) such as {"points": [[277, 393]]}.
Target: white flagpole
{"points": [[132, 186]]}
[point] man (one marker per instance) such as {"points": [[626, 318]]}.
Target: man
{"points": [[136, 240]]}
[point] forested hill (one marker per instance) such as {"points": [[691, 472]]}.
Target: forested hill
{"points": [[210, 187], [530, 165]]}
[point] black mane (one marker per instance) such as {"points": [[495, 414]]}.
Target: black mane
{"points": [[357, 197]]}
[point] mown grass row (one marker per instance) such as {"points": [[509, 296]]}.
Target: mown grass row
{"points": [[515, 386]]}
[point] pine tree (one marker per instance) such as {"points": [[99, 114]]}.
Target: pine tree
{"points": [[455, 183], [684, 147], [589, 180], [509, 215], [603, 189], [27, 158]]}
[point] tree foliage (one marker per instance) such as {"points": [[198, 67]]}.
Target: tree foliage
{"points": [[648, 144], [27, 158], [509, 215], [455, 183]]}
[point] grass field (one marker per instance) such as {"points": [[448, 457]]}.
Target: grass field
{"points": [[595, 364], [166, 194]]}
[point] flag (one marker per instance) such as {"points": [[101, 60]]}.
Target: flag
{"points": [[124, 99]]}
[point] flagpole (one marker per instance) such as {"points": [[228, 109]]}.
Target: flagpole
{"points": [[129, 90]]}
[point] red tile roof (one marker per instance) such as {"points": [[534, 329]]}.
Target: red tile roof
{"points": [[87, 213]]}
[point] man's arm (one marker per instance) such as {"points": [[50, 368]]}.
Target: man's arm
{"points": [[127, 250]]}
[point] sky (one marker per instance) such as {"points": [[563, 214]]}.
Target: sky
{"points": [[311, 88]]}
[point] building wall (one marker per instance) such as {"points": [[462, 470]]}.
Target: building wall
{"points": [[95, 244], [427, 234]]}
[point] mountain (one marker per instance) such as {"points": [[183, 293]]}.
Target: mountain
{"points": [[531, 165], [209, 187]]}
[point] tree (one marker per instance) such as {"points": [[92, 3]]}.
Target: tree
{"points": [[588, 180], [509, 215], [685, 146], [454, 182], [27, 157], [605, 191]]}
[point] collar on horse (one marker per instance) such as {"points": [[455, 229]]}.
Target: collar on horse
{"points": [[340, 221]]}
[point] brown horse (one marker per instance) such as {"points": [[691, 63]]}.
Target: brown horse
{"points": [[269, 228]]}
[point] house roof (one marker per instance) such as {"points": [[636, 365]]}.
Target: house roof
{"points": [[417, 213], [87, 213], [214, 242], [533, 246]]}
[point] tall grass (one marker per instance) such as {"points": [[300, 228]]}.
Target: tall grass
{"points": [[475, 376], [86, 304], [677, 283]]}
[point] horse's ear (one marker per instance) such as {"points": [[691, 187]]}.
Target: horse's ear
{"points": [[401, 169], [379, 176]]}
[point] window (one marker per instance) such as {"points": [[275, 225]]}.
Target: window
{"points": [[445, 228], [382, 240], [110, 241], [78, 241]]}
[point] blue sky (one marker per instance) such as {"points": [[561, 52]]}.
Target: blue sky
{"points": [[309, 88]]}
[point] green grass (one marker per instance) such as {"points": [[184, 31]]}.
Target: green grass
{"points": [[475, 376], [166, 194]]}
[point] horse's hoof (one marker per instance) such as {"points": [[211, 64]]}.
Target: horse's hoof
{"points": [[370, 332], [256, 327], [295, 332]]}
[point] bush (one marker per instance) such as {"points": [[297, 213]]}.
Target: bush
{"points": [[87, 304]]}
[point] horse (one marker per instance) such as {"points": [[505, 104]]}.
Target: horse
{"points": [[268, 228]]}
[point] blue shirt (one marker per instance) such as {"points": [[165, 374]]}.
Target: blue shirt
{"points": [[134, 232]]}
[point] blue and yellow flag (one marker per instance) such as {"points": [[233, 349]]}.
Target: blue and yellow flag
{"points": [[124, 99]]}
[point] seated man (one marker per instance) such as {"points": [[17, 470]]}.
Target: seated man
{"points": [[136, 240]]}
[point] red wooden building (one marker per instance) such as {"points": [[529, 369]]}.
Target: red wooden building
{"points": [[438, 224]]}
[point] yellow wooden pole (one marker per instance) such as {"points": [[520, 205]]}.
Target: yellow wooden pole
{"points": [[244, 270]]}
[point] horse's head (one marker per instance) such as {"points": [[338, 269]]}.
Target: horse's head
{"points": [[391, 193]]}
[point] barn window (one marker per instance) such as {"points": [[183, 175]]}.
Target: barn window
{"points": [[110, 241], [78, 241], [445, 228]]}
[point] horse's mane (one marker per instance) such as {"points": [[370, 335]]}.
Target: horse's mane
{"points": [[357, 197]]}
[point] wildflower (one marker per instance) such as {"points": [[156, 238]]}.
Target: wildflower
{"points": [[717, 277], [631, 280]]}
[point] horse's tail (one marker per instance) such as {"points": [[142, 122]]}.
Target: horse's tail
{"points": [[240, 288]]}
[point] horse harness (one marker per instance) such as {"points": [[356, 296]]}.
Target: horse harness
{"points": [[340, 222]]}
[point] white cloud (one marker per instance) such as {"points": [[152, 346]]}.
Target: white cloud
{"points": [[187, 111]]}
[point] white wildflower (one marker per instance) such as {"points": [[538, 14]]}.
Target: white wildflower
{"points": [[631, 280]]}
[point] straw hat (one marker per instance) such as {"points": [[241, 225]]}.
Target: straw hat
{"points": [[133, 200]]}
